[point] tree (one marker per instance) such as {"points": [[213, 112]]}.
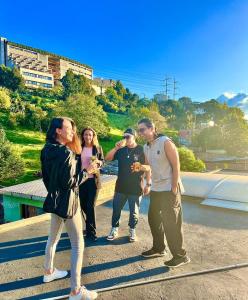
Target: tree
{"points": [[76, 84], [5, 100], [85, 111], [34, 116], [209, 139], [151, 112], [186, 104], [112, 101], [11, 164], [119, 88], [11, 78]]}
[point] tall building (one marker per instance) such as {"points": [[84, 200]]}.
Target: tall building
{"points": [[39, 68]]}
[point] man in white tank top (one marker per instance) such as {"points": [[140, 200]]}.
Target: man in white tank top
{"points": [[165, 210]]}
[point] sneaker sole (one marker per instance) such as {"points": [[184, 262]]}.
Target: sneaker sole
{"points": [[46, 281], [179, 265], [153, 255], [109, 239]]}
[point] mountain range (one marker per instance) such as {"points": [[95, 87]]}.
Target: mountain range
{"points": [[235, 100]]}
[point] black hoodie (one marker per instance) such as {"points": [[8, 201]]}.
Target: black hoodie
{"points": [[61, 176]]}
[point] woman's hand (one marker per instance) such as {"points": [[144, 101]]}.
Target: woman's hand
{"points": [[92, 168]]}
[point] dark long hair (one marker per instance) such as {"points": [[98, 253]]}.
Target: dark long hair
{"points": [[95, 139], [51, 136], [149, 124]]}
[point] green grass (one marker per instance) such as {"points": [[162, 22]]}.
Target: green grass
{"points": [[29, 143], [109, 143], [118, 121]]}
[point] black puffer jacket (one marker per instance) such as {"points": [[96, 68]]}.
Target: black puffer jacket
{"points": [[62, 177]]}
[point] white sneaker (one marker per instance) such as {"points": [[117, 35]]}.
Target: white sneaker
{"points": [[132, 236], [57, 274], [113, 234], [84, 294]]}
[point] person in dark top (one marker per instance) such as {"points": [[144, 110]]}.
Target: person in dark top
{"points": [[129, 185], [88, 191], [62, 178]]}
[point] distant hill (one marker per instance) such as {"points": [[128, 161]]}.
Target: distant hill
{"points": [[235, 100]]}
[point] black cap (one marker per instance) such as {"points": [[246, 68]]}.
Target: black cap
{"points": [[130, 131]]}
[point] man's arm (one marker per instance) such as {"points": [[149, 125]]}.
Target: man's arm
{"points": [[145, 167], [173, 157], [148, 175], [110, 155]]}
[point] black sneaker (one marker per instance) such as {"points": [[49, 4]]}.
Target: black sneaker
{"points": [[177, 262], [153, 253]]}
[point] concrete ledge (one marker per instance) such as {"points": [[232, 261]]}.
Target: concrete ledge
{"points": [[24, 222]]}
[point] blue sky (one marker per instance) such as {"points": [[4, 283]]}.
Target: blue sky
{"points": [[203, 44]]}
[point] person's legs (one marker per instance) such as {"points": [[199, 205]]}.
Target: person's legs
{"points": [[134, 204], [118, 204], [90, 208], [155, 222], [172, 221], [56, 227], [74, 229], [83, 196]]}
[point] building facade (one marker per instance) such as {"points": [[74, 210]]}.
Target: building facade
{"points": [[100, 85], [39, 68]]}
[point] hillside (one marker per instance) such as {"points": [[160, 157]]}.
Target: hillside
{"points": [[30, 142]]}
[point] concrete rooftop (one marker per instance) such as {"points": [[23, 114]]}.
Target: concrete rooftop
{"points": [[214, 237]]}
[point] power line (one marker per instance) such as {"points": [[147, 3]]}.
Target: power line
{"points": [[120, 75], [116, 70]]}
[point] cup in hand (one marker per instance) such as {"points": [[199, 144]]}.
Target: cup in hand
{"points": [[136, 166], [121, 144]]}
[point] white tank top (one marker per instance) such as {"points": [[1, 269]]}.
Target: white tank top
{"points": [[160, 165]]}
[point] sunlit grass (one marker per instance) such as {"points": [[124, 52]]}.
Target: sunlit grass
{"points": [[29, 144]]}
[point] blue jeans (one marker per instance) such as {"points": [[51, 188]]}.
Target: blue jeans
{"points": [[118, 203]]}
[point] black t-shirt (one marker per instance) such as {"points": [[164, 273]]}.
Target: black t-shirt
{"points": [[129, 182]]}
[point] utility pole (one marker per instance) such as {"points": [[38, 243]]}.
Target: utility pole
{"points": [[175, 88], [167, 85]]}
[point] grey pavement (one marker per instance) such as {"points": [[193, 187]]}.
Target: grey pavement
{"points": [[213, 237]]}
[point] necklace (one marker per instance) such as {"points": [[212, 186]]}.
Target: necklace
{"points": [[129, 153]]}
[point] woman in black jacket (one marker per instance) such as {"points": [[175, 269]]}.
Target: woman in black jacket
{"points": [[88, 191], [62, 178]]}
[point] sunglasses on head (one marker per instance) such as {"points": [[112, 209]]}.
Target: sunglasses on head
{"points": [[127, 136]]}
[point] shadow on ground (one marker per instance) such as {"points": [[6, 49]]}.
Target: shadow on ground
{"points": [[107, 282]]}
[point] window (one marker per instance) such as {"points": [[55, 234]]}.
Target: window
{"points": [[37, 75]]}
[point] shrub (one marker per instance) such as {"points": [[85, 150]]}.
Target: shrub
{"points": [[5, 101], [11, 164], [188, 161]]}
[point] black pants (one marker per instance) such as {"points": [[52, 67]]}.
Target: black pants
{"points": [[87, 194], [165, 220]]}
